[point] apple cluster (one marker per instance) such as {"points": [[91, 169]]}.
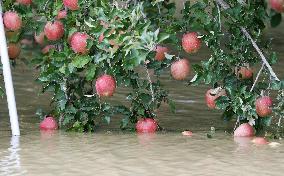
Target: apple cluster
{"points": [[56, 40]]}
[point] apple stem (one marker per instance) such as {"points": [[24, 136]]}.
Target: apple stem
{"points": [[225, 6], [257, 77]]}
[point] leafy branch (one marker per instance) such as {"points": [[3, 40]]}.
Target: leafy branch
{"points": [[225, 6]]}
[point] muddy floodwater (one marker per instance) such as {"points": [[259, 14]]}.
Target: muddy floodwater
{"points": [[112, 152]]}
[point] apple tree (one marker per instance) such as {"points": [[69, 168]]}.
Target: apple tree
{"points": [[92, 48]]}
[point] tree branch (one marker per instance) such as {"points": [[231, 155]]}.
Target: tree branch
{"points": [[257, 77], [225, 6], [151, 84]]}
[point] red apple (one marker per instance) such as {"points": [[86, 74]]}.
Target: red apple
{"points": [[244, 72], [54, 30], [263, 106], [190, 42], [49, 123], [260, 141], [12, 21], [24, 2], [160, 53], [244, 130], [61, 14], [71, 4], [211, 95], [277, 5], [14, 50], [105, 86], [79, 42], [39, 38], [180, 69], [146, 125], [187, 133]]}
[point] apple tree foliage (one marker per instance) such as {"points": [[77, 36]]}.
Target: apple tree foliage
{"points": [[133, 30]]}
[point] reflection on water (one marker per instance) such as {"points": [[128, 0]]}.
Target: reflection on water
{"points": [[10, 162], [122, 154]]}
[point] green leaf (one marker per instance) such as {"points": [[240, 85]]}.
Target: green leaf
{"points": [[124, 122], [222, 102], [276, 19], [169, 57], [266, 121], [163, 37], [146, 98], [67, 119], [81, 61], [91, 72]]}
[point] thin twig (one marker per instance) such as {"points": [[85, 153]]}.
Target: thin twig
{"points": [[236, 124], [219, 16], [257, 77], [241, 2], [159, 8], [45, 5], [279, 121], [151, 84], [225, 6], [261, 54]]}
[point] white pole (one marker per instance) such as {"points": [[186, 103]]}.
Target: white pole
{"points": [[8, 79]]}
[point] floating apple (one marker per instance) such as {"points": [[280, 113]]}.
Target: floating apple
{"points": [[244, 130], [49, 123], [146, 125]]}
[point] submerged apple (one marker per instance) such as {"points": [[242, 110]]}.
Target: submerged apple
{"points": [[187, 133], [49, 123], [146, 125], [244, 130], [260, 141]]}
